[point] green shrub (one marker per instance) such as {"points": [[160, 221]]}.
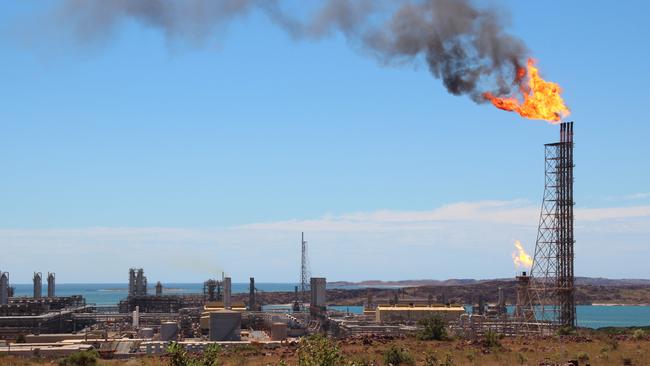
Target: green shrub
{"points": [[582, 356], [81, 358], [177, 355], [211, 354], [430, 359], [566, 330], [434, 328], [395, 356], [21, 338], [492, 339], [360, 360], [317, 350], [638, 334]]}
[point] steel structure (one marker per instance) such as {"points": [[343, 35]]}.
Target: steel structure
{"points": [[552, 270], [38, 285], [304, 270], [212, 290], [51, 284]]}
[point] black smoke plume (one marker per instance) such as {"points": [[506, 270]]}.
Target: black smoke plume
{"points": [[466, 47]]}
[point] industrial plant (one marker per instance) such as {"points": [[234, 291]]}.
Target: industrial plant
{"points": [[150, 316]]}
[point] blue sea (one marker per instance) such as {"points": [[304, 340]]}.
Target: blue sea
{"points": [[596, 316], [112, 293]]}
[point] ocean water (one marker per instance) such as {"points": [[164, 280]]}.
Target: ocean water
{"points": [[112, 293], [596, 316]]}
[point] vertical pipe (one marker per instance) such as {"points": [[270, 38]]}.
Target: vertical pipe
{"points": [[252, 306], [136, 317], [227, 290]]}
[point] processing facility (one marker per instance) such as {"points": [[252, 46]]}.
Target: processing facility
{"points": [[145, 322]]}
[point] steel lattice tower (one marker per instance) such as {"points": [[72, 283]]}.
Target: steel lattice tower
{"points": [[552, 270], [304, 270]]}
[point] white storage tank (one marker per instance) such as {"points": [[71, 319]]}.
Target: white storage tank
{"points": [[168, 331], [225, 325]]}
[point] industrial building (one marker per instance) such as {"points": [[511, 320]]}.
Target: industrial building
{"points": [[405, 314]]}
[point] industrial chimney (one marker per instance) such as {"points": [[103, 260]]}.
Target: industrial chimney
{"points": [[38, 285], [4, 288], [131, 281], [227, 292], [252, 305], [51, 285]]}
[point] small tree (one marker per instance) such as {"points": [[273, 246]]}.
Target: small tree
{"points": [[395, 356], [434, 328], [317, 350]]}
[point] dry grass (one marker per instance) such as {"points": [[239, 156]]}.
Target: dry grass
{"points": [[597, 347]]}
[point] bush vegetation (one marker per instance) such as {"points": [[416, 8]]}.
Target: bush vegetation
{"points": [[566, 331], [492, 339], [582, 356], [178, 356], [82, 358], [434, 329], [395, 356], [317, 350]]}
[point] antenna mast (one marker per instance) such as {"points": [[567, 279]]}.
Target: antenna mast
{"points": [[304, 271]]}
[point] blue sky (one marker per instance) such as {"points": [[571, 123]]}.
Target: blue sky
{"points": [[141, 151]]}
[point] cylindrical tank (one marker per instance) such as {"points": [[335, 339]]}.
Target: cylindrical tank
{"points": [[168, 331], [145, 333], [278, 331]]}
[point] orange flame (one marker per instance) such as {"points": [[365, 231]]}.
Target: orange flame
{"points": [[542, 98], [520, 258]]}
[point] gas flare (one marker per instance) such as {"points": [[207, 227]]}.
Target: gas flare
{"points": [[541, 98], [520, 258]]}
